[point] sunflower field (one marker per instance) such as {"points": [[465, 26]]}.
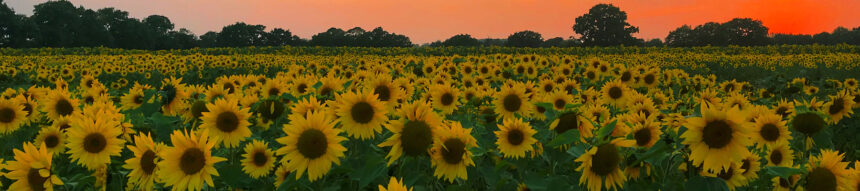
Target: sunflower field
{"points": [[488, 118]]}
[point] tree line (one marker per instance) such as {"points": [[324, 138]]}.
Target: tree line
{"points": [[61, 24]]}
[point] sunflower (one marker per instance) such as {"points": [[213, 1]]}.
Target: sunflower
{"points": [[227, 122], [302, 85], [808, 123], [172, 96], [269, 111], [647, 132], [385, 89], [12, 116], [394, 185], [281, 175], [716, 138], [515, 138], [31, 169], [731, 175], [361, 114], [512, 100], [132, 100], [93, 140], [258, 159], [451, 152], [780, 154], [770, 129], [60, 104], [839, 106], [313, 144], [189, 163], [572, 120], [273, 88], [782, 184], [600, 165], [750, 167], [615, 93], [143, 164], [827, 172], [559, 100], [413, 132], [445, 98], [305, 106], [53, 138], [30, 107]]}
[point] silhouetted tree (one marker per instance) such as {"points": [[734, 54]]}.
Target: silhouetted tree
{"points": [[654, 42], [461, 40], [681, 37], [240, 35], [331, 37], [58, 22], [605, 25], [710, 33], [208, 39], [781, 39], [554, 42], [745, 32], [525, 39], [16, 30], [278, 37]]}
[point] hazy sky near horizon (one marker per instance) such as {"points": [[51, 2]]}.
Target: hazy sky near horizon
{"points": [[425, 21]]}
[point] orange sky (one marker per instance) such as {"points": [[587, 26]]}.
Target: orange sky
{"points": [[429, 20]]}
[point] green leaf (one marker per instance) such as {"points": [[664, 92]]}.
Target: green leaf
{"points": [[657, 152], [545, 105], [605, 131], [536, 182], [288, 183], [577, 150], [234, 176], [373, 166], [317, 85], [567, 137], [823, 138], [702, 183], [781, 171]]}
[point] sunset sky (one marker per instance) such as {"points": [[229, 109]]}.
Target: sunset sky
{"points": [[425, 21]]}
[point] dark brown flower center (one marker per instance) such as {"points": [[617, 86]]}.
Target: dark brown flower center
{"points": [[769, 132], [302, 88], [821, 178], [383, 92], [717, 134], [515, 137], [606, 160], [362, 112], [35, 180], [312, 143], [453, 151], [447, 99], [147, 162], [512, 103], [227, 121], [559, 103], [642, 136], [776, 157], [192, 161], [64, 107], [52, 141], [566, 122], [260, 158], [7, 115], [615, 92], [837, 106], [726, 174], [95, 143]]}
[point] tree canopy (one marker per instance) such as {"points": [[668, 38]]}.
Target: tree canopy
{"points": [[605, 25]]}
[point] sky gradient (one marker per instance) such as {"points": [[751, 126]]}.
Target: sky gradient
{"points": [[425, 21]]}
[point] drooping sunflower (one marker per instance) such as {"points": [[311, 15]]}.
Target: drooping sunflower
{"points": [[731, 175], [445, 98], [143, 165], [450, 153], [227, 122], [173, 96], [515, 138], [716, 138], [361, 114], [189, 163], [12, 115], [312, 144], [780, 155], [413, 132], [31, 169], [60, 104], [394, 185], [615, 93], [258, 159], [93, 140], [839, 106], [53, 138], [770, 130], [270, 110], [600, 166], [512, 100], [827, 172]]}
